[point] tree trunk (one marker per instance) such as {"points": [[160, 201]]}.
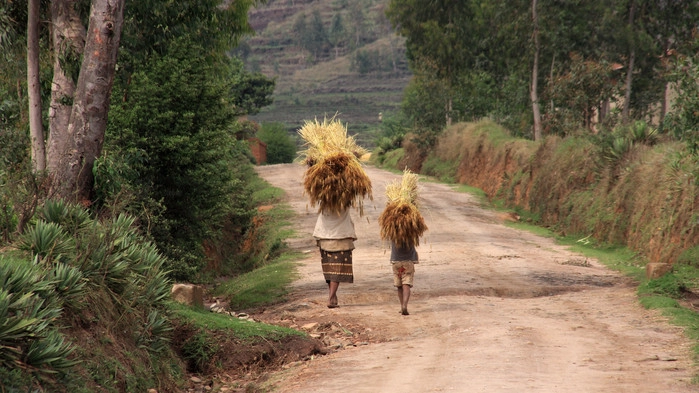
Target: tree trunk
{"points": [[535, 76], [665, 107], [68, 36], [448, 107], [88, 119], [629, 72], [36, 128]]}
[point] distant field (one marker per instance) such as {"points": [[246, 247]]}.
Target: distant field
{"points": [[309, 88]]}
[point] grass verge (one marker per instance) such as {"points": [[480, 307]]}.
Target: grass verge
{"points": [[237, 328], [264, 285]]}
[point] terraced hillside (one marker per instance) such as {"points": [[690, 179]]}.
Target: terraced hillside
{"points": [[358, 74]]}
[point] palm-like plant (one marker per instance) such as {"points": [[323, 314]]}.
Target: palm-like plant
{"points": [[47, 240]]}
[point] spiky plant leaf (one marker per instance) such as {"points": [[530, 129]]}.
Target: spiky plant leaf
{"points": [[70, 217], [69, 285], [48, 240], [49, 354]]}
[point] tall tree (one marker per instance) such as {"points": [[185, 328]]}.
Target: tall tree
{"points": [[336, 34], [68, 38], [631, 62], [36, 127], [536, 111], [84, 136], [438, 39]]}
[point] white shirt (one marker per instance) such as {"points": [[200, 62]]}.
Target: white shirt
{"points": [[334, 226]]}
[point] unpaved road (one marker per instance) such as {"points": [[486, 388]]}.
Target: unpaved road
{"points": [[493, 310]]}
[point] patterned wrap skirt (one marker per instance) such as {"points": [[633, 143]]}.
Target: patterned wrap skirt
{"points": [[337, 265]]}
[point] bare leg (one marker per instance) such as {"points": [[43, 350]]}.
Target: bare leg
{"points": [[405, 296], [400, 297], [332, 294]]}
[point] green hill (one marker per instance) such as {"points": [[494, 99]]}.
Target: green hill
{"points": [[358, 70]]}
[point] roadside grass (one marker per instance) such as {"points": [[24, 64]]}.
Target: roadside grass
{"points": [[239, 328], [207, 340], [264, 193], [262, 286], [274, 271]]}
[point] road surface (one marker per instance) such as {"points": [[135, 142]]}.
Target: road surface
{"points": [[493, 309]]}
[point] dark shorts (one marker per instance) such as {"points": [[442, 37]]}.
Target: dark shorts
{"points": [[337, 265]]}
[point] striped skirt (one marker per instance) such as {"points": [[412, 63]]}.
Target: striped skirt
{"points": [[337, 265]]}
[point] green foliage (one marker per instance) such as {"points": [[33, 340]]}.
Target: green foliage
{"points": [[97, 272], [206, 335], [215, 323], [482, 54], [393, 128], [675, 284], [249, 91], [445, 171], [365, 61], [423, 103], [188, 160], [281, 145], [264, 285], [683, 120], [151, 26], [29, 311], [689, 257], [311, 35], [616, 144], [198, 351], [579, 90], [48, 241], [390, 159]]}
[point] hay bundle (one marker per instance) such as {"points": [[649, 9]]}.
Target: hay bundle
{"points": [[335, 179], [401, 221]]}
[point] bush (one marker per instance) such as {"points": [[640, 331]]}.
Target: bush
{"points": [[97, 273], [176, 135], [30, 307], [281, 146]]}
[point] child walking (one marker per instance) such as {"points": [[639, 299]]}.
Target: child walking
{"points": [[402, 224]]}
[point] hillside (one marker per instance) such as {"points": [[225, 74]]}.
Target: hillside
{"points": [[358, 71]]}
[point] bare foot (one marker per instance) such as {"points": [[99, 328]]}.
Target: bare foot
{"points": [[404, 311], [333, 303]]}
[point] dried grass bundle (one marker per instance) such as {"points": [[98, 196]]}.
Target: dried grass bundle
{"points": [[404, 191], [401, 221], [335, 179], [327, 138]]}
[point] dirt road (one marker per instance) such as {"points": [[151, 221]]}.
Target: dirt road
{"points": [[493, 310]]}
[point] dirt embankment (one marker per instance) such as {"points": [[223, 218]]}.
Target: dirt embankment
{"points": [[644, 199], [493, 310]]}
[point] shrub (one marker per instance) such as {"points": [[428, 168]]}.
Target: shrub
{"points": [[175, 132], [281, 146], [79, 269], [30, 307]]}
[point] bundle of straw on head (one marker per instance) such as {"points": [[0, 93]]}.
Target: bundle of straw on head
{"points": [[335, 179], [401, 221]]}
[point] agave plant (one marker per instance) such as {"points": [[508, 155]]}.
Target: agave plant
{"points": [[69, 285], [641, 132], [49, 354], [153, 335], [28, 335], [70, 217], [47, 240]]}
